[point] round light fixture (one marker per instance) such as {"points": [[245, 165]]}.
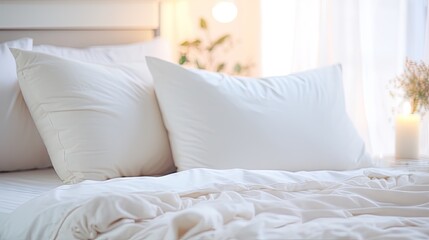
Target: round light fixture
{"points": [[224, 11]]}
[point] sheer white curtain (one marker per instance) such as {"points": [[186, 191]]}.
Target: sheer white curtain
{"points": [[426, 54], [370, 38]]}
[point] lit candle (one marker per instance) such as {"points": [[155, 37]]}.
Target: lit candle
{"points": [[407, 136]]}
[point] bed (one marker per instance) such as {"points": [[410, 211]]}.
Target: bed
{"points": [[207, 157]]}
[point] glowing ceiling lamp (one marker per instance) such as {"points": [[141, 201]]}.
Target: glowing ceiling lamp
{"points": [[224, 11]]}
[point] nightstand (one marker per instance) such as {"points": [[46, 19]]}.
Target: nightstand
{"points": [[415, 165]]}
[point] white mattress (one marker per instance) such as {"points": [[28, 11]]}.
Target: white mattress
{"points": [[16, 188]]}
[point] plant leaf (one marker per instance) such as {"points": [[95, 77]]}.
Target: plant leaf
{"points": [[220, 67], [185, 44], [183, 59], [196, 42], [218, 42], [203, 23], [238, 68], [222, 39]]}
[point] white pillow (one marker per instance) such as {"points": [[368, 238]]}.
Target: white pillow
{"points": [[156, 47], [20, 144], [296, 122], [21, 147], [97, 121]]}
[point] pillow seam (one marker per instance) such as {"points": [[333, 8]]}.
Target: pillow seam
{"points": [[53, 126]]}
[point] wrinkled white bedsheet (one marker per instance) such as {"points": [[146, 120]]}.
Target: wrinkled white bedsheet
{"points": [[232, 204]]}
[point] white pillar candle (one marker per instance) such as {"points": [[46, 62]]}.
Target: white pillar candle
{"points": [[407, 136]]}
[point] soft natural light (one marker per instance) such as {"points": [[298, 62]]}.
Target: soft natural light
{"points": [[279, 36], [370, 39], [224, 11]]}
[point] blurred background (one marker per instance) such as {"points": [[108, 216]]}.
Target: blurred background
{"points": [[370, 38]]}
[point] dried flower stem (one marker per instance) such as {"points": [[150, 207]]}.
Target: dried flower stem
{"points": [[414, 83]]}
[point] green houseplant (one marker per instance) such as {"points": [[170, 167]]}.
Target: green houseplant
{"points": [[203, 53]]}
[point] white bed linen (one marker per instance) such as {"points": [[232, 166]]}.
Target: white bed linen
{"points": [[232, 204], [16, 188]]}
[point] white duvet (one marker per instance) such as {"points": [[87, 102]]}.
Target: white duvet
{"points": [[232, 204]]}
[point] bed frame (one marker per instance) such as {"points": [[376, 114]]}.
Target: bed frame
{"points": [[79, 23]]}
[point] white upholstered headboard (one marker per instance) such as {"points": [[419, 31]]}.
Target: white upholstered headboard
{"points": [[79, 23]]}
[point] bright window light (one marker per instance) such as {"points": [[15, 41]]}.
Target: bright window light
{"points": [[224, 11]]}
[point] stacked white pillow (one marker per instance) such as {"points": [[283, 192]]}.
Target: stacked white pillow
{"points": [[134, 52], [296, 122], [21, 147], [97, 121]]}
